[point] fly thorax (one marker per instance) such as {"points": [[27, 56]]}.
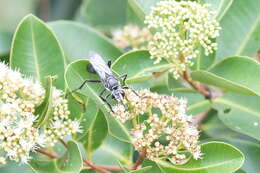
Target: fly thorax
{"points": [[111, 83]]}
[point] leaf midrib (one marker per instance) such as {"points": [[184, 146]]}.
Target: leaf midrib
{"points": [[34, 50], [230, 103]]}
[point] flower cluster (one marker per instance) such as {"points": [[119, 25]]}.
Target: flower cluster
{"points": [[19, 97], [61, 124], [132, 37], [181, 27], [166, 130]]}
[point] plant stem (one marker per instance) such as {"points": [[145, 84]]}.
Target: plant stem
{"points": [[139, 160], [199, 118], [47, 153], [196, 86], [95, 167]]}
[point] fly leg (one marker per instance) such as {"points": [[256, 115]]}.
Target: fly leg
{"points": [[105, 99], [127, 87], [82, 85], [123, 77], [86, 81]]}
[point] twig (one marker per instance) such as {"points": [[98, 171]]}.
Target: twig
{"points": [[95, 167], [47, 153], [139, 160], [98, 168], [196, 86], [63, 143], [199, 118]]}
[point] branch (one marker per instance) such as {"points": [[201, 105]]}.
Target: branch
{"points": [[199, 118], [196, 86], [139, 160], [47, 153], [88, 163], [95, 167]]}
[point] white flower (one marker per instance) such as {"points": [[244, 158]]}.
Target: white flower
{"points": [[181, 27], [19, 98], [2, 159]]}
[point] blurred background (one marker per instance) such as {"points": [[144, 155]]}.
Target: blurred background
{"points": [[90, 12]]}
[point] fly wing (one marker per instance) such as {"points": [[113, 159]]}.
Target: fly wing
{"points": [[99, 65]]}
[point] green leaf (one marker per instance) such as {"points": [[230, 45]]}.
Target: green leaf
{"points": [[87, 118], [142, 7], [45, 109], [218, 157], [139, 67], [113, 150], [5, 42], [220, 6], [96, 133], [75, 75], [142, 170], [36, 52], [44, 166], [213, 127], [238, 74], [240, 113], [78, 39], [155, 167], [233, 41], [71, 161], [251, 151], [109, 13], [13, 167]]}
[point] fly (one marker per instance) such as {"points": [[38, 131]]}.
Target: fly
{"points": [[107, 78]]}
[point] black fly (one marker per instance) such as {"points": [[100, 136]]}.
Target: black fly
{"points": [[109, 80]]}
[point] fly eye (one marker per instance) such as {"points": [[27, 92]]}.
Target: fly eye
{"points": [[90, 68]]}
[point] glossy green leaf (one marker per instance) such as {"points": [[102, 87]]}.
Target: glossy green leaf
{"points": [[218, 157], [155, 167], [71, 161], [176, 85], [250, 150], [13, 167], [240, 25], [44, 166], [220, 7], [78, 39], [142, 170], [87, 118], [5, 42], [113, 150], [104, 13], [140, 68], [142, 7], [75, 75], [45, 109], [96, 134], [36, 51], [213, 127], [240, 113], [238, 74]]}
